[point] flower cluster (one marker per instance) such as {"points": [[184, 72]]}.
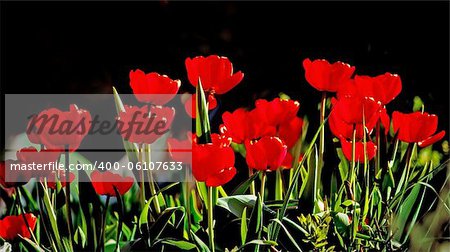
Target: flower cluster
{"points": [[360, 106]]}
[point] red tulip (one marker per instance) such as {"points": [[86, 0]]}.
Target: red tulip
{"points": [[13, 226], [347, 149], [214, 72], [191, 107], [153, 88], [266, 153], [353, 109], [51, 180], [57, 129], [43, 158], [181, 151], [277, 111], [137, 125], [291, 131], [242, 125], [417, 127], [383, 88], [105, 182], [3, 181], [213, 163], [324, 76], [9, 177]]}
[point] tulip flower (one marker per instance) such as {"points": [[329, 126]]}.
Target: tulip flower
{"points": [[145, 124], [324, 76], [43, 158], [153, 88], [417, 127], [215, 73], [242, 125], [213, 163], [105, 182], [265, 154], [15, 179], [277, 111], [181, 150], [383, 88], [291, 131], [13, 226], [57, 129]]}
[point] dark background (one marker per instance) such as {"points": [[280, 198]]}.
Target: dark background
{"points": [[86, 47]]}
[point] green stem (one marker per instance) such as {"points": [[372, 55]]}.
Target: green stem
{"points": [[151, 180], [69, 212], [378, 155], [252, 185], [141, 175], [102, 233], [323, 103], [211, 219], [263, 185], [279, 184]]}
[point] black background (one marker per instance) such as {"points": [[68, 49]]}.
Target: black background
{"points": [[86, 47]]}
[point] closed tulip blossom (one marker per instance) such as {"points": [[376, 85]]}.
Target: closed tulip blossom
{"points": [[242, 125], [324, 76], [56, 129], [265, 154], [105, 183], [145, 124], [417, 127], [213, 163], [153, 88], [214, 72]]}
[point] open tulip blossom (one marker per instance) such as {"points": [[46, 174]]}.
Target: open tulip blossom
{"points": [[357, 181]]}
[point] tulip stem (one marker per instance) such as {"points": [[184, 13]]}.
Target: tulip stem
{"points": [[67, 175], [211, 219], [101, 246], [252, 184], [318, 175], [151, 180], [141, 175], [263, 185], [19, 196], [378, 159]]}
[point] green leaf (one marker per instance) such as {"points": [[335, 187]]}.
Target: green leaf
{"points": [[341, 221], [288, 234], [51, 216], [202, 128], [131, 148], [235, 204], [157, 228], [407, 210], [243, 187], [31, 246], [143, 218], [184, 245], [201, 245], [80, 237], [244, 226]]}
